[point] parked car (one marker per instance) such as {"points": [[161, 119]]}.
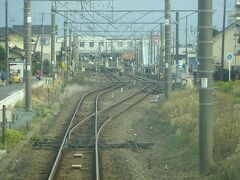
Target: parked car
{"points": [[14, 78]]}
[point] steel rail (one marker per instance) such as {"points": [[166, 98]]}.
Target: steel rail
{"points": [[105, 123], [122, 110], [59, 155], [97, 130], [67, 137], [102, 110], [85, 119]]}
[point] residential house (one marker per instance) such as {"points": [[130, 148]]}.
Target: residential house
{"points": [[40, 38], [232, 45], [16, 43], [96, 44]]}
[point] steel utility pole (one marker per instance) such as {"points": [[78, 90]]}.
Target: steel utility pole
{"points": [[151, 50], [173, 45], [135, 54], [75, 40], [205, 42], [3, 125], [28, 56], [70, 50], [186, 45], [223, 41], [53, 38], [161, 49], [6, 42], [138, 55], [42, 43], [168, 64], [177, 39], [65, 51], [154, 56]]}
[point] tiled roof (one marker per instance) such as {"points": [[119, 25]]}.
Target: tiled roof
{"points": [[36, 29]]}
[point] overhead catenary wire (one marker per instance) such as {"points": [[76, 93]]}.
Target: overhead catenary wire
{"points": [[86, 19]]}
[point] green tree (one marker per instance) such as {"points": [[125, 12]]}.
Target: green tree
{"points": [[215, 31], [46, 67], [2, 58], [36, 62]]}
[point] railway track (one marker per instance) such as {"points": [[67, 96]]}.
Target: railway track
{"points": [[78, 156]]}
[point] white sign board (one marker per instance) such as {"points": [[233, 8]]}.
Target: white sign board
{"points": [[47, 81], [167, 22], [29, 19], [204, 82]]}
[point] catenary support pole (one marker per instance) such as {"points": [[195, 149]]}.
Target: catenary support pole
{"points": [[151, 50], [223, 41], [135, 55], [70, 55], [3, 125], [53, 38], [168, 63], [42, 44], [28, 57], [6, 43], [161, 49], [173, 46], [186, 47], [75, 45], [177, 47], [205, 43], [177, 39], [65, 52]]}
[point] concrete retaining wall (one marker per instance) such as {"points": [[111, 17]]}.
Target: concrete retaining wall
{"points": [[16, 96]]}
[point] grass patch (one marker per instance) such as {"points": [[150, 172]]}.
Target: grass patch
{"points": [[13, 137], [83, 78], [231, 87], [19, 104], [180, 114], [42, 109], [225, 86]]}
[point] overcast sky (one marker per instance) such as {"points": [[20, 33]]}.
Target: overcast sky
{"points": [[16, 9]]}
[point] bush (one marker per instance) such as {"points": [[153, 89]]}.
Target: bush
{"points": [[225, 86], [232, 87]]}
